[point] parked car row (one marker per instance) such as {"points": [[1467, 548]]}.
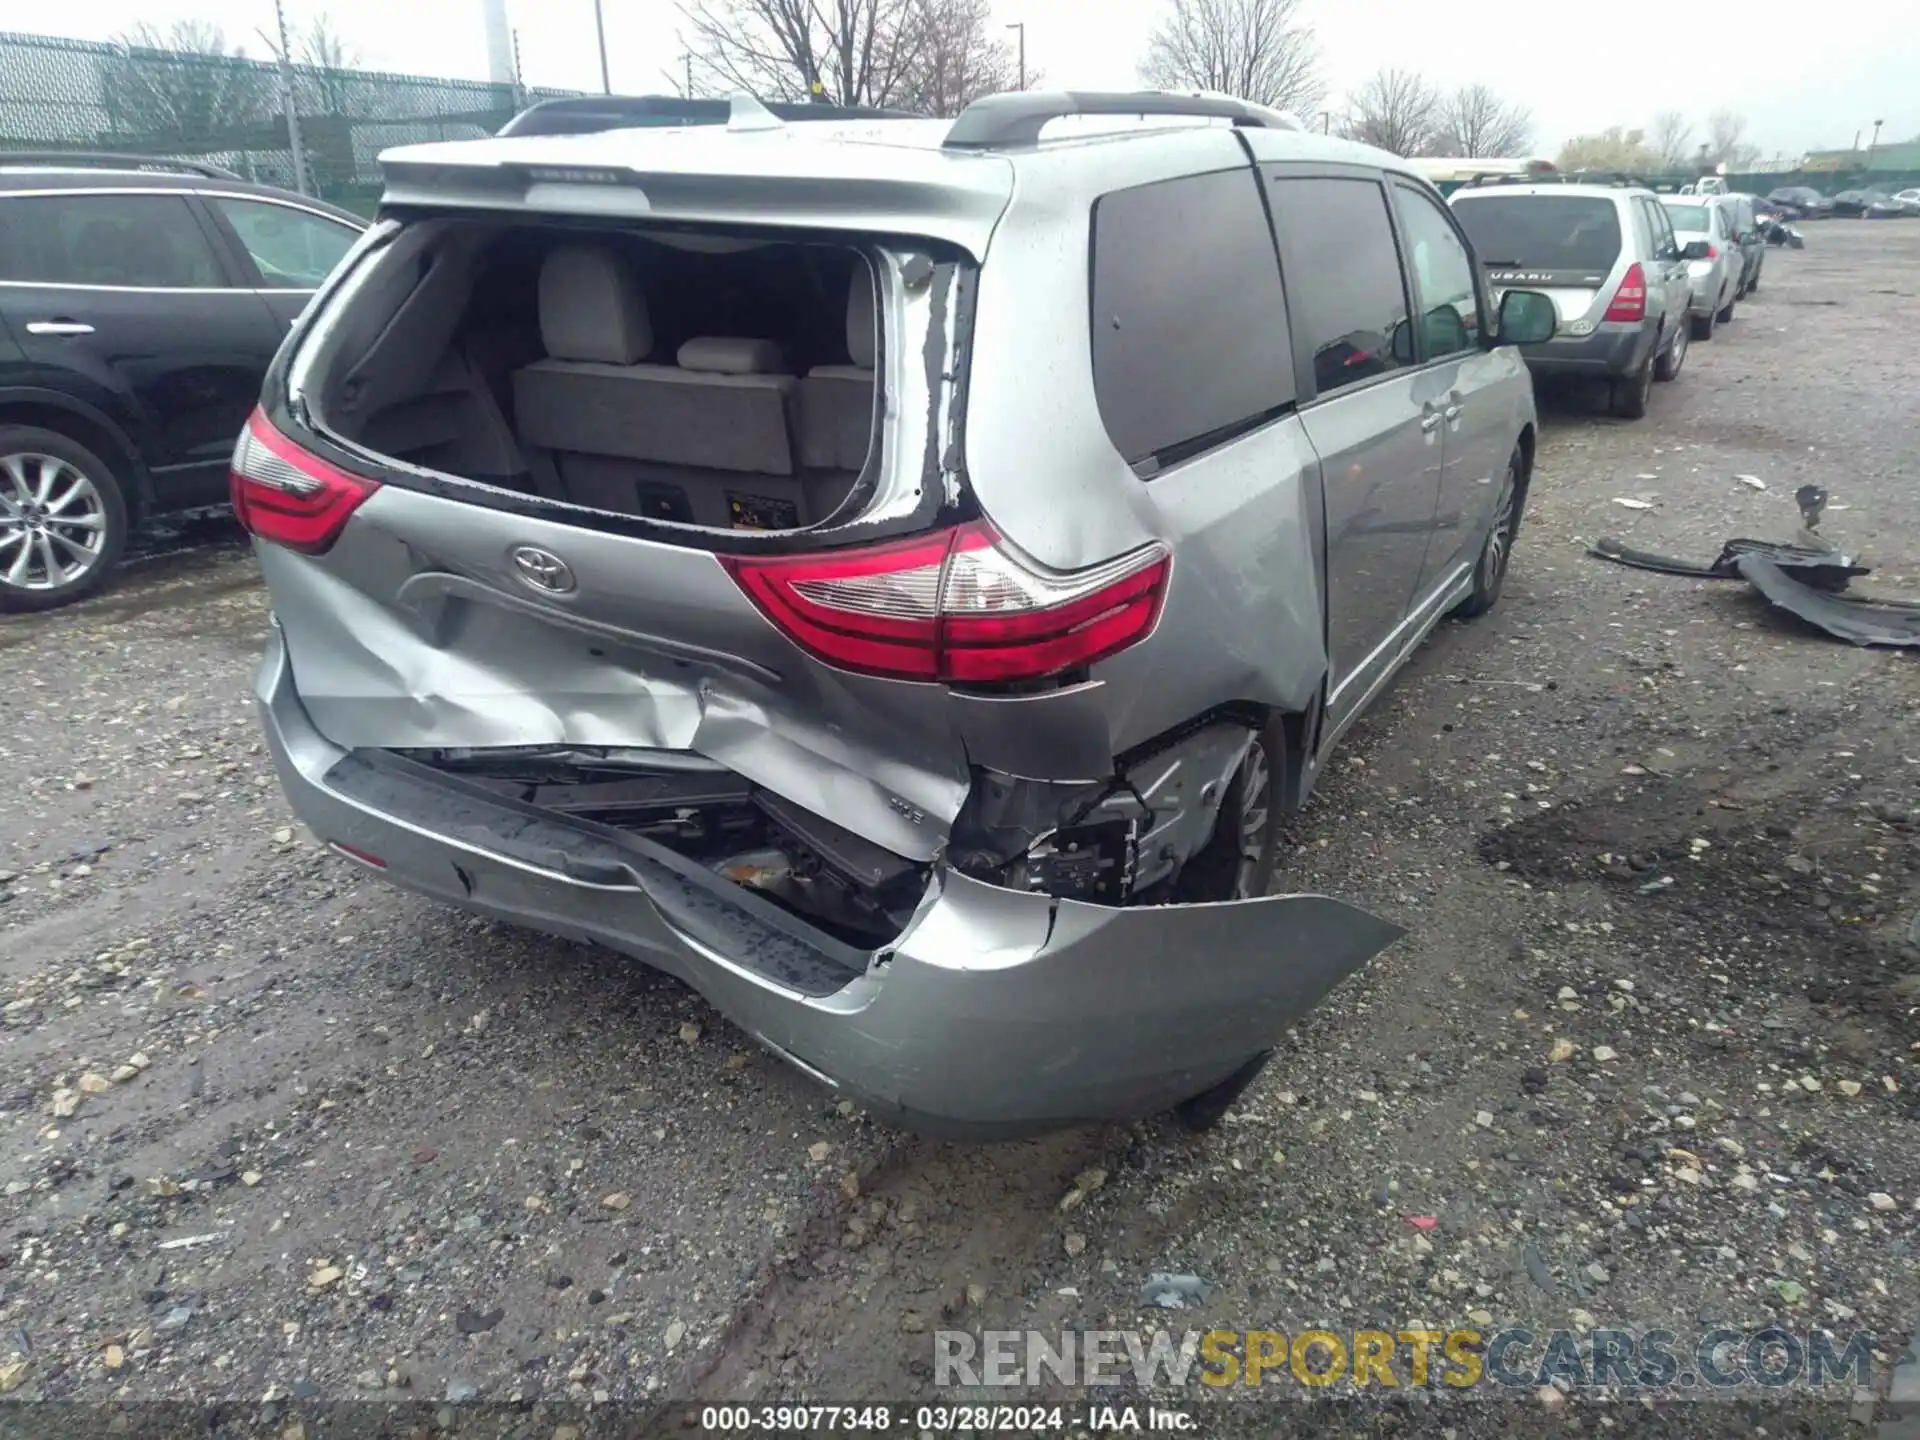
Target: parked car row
{"points": [[656, 556], [1636, 276], [1803, 202]]}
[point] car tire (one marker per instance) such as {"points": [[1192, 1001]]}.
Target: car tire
{"points": [[1239, 860], [1496, 551], [1207, 1109], [58, 499], [1674, 355], [1702, 325], [1629, 397], [1726, 314]]}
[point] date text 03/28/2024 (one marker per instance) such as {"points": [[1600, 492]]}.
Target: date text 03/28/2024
{"points": [[940, 1419]]}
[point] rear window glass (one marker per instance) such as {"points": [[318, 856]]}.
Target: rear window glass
{"points": [[1689, 217], [1542, 232], [1189, 324]]}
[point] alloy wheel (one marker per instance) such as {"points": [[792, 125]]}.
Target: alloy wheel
{"points": [[1256, 818], [53, 522], [1493, 559]]}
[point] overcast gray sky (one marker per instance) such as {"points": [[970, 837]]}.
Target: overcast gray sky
{"points": [[1806, 75]]}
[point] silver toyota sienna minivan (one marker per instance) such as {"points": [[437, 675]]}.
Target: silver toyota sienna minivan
{"points": [[894, 575]]}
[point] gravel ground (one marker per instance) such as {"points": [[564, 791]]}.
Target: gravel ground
{"points": [[1645, 1059]]}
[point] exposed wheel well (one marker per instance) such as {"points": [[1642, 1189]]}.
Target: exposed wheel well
{"points": [[102, 440]]}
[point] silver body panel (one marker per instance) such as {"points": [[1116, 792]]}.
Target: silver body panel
{"points": [[1310, 556]]}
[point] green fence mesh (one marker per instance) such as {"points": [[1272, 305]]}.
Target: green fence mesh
{"points": [[58, 94]]}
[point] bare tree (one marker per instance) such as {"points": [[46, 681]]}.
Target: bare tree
{"points": [[1726, 141], [1614, 148], [1473, 122], [1672, 139], [325, 46], [1258, 50], [847, 52], [958, 58], [1397, 110], [184, 86]]}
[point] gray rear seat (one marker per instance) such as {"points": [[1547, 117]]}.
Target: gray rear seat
{"points": [[836, 401], [723, 408]]}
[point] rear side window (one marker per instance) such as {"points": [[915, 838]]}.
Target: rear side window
{"points": [[1690, 217], [1351, 298], [135, 241], [295, 249], [1542, 232], [1665, 246], [1189, 322]]}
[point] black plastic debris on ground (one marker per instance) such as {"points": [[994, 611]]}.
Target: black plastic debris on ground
{"points": [[1846, 617], [1803, 581]]}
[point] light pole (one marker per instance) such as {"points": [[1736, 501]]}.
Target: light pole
{"points": [[1873, 144], [600, 29], [1021, 26], [289, 100]]}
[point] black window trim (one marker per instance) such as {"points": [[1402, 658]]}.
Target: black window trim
{"points": [[1412, 281], [1285, 170], [235, 280], [1168, 457]]}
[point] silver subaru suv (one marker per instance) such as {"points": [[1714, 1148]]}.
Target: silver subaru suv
{"points": [[894, 575], [1605, 250]]}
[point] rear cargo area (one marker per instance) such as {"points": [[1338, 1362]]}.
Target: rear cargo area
{"points": [[695, 378]]}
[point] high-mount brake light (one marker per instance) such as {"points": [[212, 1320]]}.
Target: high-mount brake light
{"points": [[956, 606], [287, 495]]}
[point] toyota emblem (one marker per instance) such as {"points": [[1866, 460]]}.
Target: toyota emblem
{"points": [[542, 570]]}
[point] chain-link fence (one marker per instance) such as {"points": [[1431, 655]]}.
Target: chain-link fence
{"points": [[58, 94]]}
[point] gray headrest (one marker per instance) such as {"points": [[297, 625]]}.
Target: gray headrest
{"points": [[592, 308], [732, 355], [860, 331]]}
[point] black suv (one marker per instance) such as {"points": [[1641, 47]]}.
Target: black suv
{"points": [[140, 302]]}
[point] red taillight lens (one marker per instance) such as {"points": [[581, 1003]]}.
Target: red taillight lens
{"points": [[957, 606], [283, 494], [1630, 300]]}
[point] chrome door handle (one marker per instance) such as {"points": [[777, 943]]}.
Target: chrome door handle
{"points": [[1431, 422], [1453, 412], [58, 327]]}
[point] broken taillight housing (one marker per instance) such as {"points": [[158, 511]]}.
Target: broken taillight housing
{"points": [[288, 495], [956, 606]]}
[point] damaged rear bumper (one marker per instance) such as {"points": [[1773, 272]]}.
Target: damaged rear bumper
{"points": [[995, 1013]]}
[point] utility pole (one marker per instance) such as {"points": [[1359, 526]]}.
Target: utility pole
{"points": [[1021, 26], [288, 101], [600, 29], [1874, 144]]}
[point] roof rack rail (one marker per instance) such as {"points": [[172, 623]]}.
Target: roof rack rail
{"points": [[1017, 118], [113, 160]]}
